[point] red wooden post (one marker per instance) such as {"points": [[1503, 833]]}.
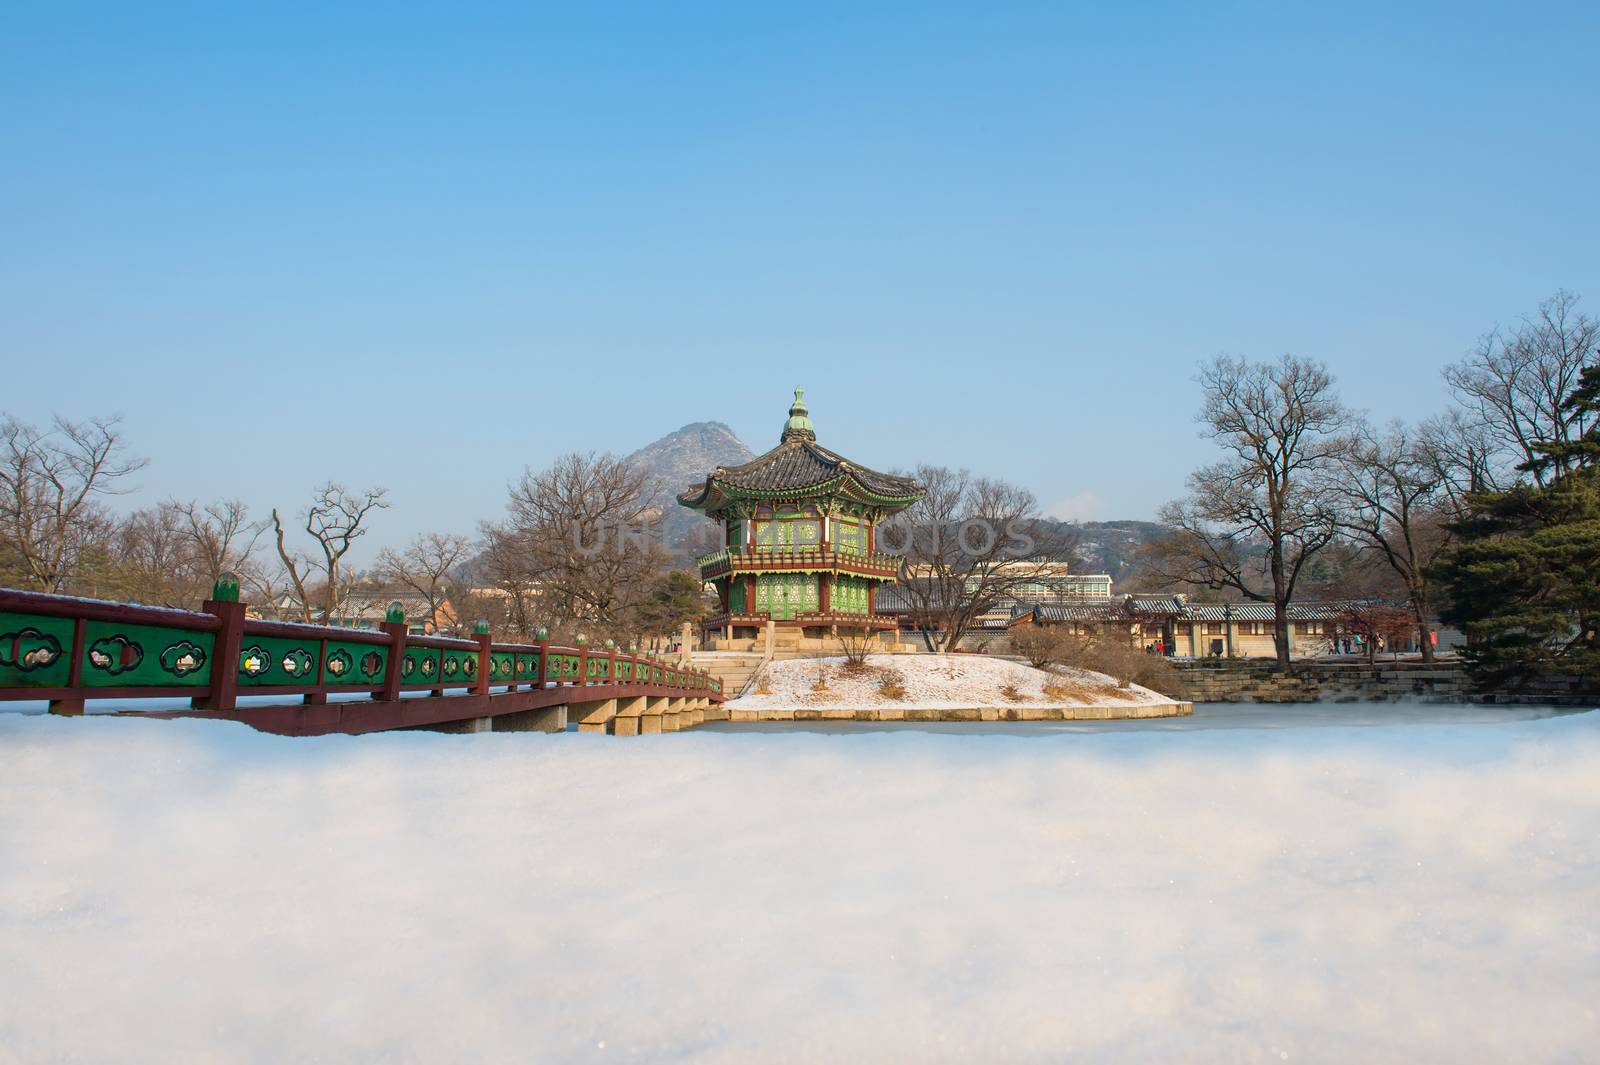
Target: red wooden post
{"points": [[543, 636], [319, 697], [73, 704], [224, 603], [611, 662], [480, 685], [583, 661], [394, 626]]}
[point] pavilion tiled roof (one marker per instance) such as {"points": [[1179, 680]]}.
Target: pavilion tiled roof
{"points": [[798, 463], [799, 466]]}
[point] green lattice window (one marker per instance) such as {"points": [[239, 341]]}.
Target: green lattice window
{"points": [[783, 595], [849, 538]]}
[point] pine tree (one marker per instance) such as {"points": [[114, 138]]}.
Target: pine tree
{"points": [[1584, 449], [1524, 582]]}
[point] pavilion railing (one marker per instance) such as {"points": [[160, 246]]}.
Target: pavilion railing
{"points": [[728, 561], [69, 650]]}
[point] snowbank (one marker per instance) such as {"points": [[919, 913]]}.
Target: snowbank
{"points": [[936, 682], [191, 891]]}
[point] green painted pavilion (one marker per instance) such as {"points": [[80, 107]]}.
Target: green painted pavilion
{"points": [[799, 530]]}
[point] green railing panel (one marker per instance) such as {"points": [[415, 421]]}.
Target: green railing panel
{"points": [[420, 665], [458, 666], [272, 660], [502, 667], [355, 663], [564, 666], [35, 652], [117, 655], [527, 668]]}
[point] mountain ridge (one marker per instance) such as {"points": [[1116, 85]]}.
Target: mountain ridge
{"points": [[687, 455]]}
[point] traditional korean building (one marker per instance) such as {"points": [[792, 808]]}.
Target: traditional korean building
{"points": [[799, 529]]}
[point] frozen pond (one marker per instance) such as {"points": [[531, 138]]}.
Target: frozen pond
{"points": [[1222, 888]]}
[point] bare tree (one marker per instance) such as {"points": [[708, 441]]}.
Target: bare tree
{"points": [[148, 561], [1396, 505], [1516, 384], [425, 566], [505, 573], [334, 521], [1253, 521], [1378, 622], [580, 532], [970, 544], [219, 537], [50, 484], [1459, 452]]}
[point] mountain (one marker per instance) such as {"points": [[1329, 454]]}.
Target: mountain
{"points": [[681, 459], [685, 457], [1107, 546]]}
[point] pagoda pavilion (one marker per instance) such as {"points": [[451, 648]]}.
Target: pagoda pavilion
{"points": [[799, 525]]}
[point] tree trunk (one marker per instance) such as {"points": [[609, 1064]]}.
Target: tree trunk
{"points": [[1280, 609], [1420, 608], [1280, 634]]}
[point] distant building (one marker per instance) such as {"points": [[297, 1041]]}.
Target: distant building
{"points": [[1202, 630], [1049, 583]]}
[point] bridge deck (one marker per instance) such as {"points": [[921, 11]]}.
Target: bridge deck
{"points": [[355, 716]]}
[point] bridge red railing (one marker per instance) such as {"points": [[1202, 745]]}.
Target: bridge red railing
{"points": [[69, 650]]}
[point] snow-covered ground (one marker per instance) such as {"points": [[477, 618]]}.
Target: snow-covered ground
{"points": [[933, 682], [193, 891]]}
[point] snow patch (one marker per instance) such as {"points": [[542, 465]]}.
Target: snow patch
{"points": [[934, 682]]}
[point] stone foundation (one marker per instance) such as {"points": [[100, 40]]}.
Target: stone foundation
{"points": [[1256, 681], [975, 713]]}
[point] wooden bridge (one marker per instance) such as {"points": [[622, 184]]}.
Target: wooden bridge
{"points": [[309, 680]]}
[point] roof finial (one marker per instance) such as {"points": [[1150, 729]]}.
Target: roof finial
{"points": [[799, 423]]}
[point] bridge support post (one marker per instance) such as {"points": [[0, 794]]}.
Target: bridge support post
{"points": [[592, 714], [471, 724], [649, 724], [543, 719], [630, 713]]}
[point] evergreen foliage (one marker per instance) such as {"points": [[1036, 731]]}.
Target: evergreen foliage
{"points": [[1524, 582]]}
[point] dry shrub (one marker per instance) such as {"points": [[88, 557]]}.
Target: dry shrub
{"points": [[1039, 646], [1010, 692], [1122, 661], [855, 648], [891, 684], [821, 683], [763, 684]]}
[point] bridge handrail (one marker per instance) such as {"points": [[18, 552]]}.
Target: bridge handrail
{"points": [[67, 649]]}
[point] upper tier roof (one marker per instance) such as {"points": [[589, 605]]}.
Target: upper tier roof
{"points": [[800, 467]]}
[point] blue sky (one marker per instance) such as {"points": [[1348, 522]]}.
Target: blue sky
{"points": [[425, 247]]}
